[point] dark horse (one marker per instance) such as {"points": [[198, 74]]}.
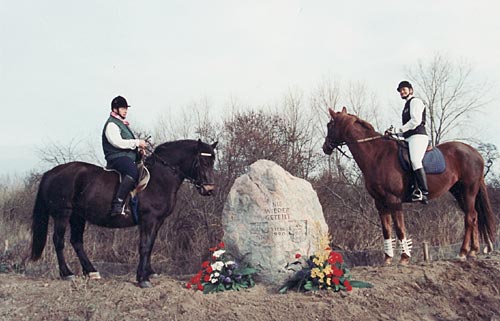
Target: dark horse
{"points": [[78, 192], [385, 180]]}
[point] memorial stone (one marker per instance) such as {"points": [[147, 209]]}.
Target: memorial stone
{"points": [[269, 216]]}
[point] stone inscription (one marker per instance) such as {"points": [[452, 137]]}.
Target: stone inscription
{"points": [[277, 224], [277, 212]]}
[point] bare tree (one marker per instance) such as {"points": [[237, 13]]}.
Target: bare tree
{"points": [[56, 153], [490, 154], [363, 103], [450, 94]]}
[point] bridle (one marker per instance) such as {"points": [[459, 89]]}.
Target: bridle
{"points": [[332, 145], [195, 166]]}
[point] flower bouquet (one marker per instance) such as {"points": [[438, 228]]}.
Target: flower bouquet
{"points": [[324, 269], [221, 273]]}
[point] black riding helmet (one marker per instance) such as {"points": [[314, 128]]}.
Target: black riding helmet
{"points": [[118, 102], [403, 84]]}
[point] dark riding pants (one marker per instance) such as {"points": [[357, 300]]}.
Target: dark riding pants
{"points": [[125, 165]]}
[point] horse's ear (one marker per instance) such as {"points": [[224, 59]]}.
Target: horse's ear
{"points": [[214, 145], [331, 112], [344, 110]]}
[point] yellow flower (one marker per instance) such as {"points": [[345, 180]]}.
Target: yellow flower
{"points": [[327, 269], [315, 272], [316, 261], [329, 281]]}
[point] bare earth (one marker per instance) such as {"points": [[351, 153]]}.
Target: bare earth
{"points": [[442, 290]]}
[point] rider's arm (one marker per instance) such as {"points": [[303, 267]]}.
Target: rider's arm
{"points": [[112, 133], [416, 111]]}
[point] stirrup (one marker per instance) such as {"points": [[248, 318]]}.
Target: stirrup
{"points": [[419, 196], [117, 211]]}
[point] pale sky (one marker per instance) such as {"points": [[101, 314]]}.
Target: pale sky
{"points": [[61, 62]]}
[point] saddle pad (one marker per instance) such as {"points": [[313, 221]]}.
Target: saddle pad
{"points": [[434, 162]]}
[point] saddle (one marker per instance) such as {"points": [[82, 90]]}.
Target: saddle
{"points": [[132, 204], [433, 162]]}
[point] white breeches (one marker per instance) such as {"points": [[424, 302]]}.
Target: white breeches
{"points": [[417, 145]]}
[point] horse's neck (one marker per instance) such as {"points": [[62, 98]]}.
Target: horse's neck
{"points": [[166, 172], [364, 152]]}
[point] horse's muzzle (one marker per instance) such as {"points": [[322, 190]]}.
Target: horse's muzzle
{"points": [[206, 189], [328, 148]]}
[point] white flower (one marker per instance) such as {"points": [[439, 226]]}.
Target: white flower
{"points": [[217, 266], [214, 277], [229, 263], [218, 253]]}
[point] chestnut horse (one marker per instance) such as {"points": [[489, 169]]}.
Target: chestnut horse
{"points": [[386, 181], [77, 192]]}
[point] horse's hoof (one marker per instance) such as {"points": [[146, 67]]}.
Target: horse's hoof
{"points": [[387, 262], [154, 276], [145, 284], [462, 258], [404, 262], [94, 276], [70, 277]]}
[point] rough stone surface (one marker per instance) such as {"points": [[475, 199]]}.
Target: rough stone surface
{"points": [[269, 216]]}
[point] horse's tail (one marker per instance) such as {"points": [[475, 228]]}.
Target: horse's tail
{"points": [[486, 219], [40, 223]]}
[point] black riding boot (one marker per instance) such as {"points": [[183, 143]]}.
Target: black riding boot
{"points": [[125, 187], [421, 190]]}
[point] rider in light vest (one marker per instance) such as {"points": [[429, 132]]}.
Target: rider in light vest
{"points": [[414, 132], [121, 150]]}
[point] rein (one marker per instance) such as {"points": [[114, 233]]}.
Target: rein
{"points": [[363, 140], [176, 169]]}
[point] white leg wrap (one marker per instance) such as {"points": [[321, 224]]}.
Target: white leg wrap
{"points": [[405, 246], [389, 247]]}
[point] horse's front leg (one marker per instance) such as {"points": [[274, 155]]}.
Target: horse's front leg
{"points": [[385, 218], [403, 243], [148, 232]]}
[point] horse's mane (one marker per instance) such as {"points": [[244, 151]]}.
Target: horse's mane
{"points": [[174, 145], [172, 150], [365, 124]]}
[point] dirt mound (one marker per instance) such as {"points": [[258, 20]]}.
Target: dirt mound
{"points": [[442, 290]]}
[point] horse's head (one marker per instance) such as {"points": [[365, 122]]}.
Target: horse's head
{"points": [[191, 159], [202, 170], [333, 136]]}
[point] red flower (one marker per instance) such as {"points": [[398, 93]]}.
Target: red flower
{"points": [[196, 279], [337, 272], [209, 269], [297, 255], [336, 281], [335, 257], [200, 287], [212, 249], [221, 245], [347, 285], [188, 285], [206, 278], [205, 264]]}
